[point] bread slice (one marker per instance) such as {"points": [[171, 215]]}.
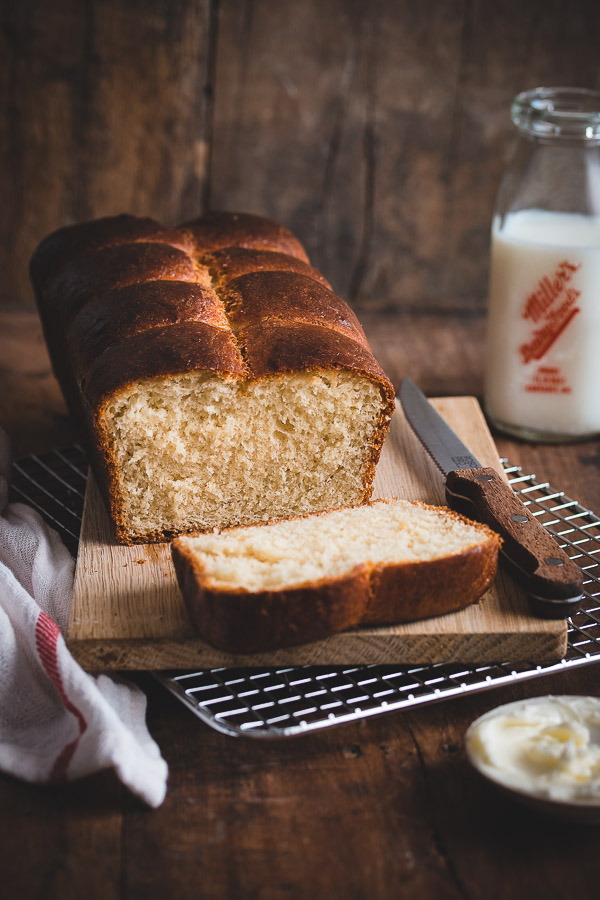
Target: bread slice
{"points": [[298, 580]]}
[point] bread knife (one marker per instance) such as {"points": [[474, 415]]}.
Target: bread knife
{"points": [[529, 552]]}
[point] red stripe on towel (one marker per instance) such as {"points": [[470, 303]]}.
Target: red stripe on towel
{"points": [[47, 634]]}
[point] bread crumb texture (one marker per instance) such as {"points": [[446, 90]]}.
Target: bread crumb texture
{"points": [[298, 552], [194, 452]]}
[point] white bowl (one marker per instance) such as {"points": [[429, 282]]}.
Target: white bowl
{"points": [[582, 810]]}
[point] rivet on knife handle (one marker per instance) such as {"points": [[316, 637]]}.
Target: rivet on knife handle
{"points": [[535, 558]]}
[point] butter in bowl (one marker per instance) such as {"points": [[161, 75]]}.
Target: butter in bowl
{"points": [[544, 752]]}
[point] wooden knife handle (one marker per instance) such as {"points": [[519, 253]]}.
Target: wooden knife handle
{"points": [[534, 557]]}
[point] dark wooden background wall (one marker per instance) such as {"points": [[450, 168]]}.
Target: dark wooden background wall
{"points": [[376, 130]]}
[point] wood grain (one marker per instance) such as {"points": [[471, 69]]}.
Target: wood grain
{"points": [[547, 569], [128, 613], [105, 109], [378, 131]]}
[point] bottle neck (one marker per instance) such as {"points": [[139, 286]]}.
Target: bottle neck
{"points": [[558, 114], [551, 175]]}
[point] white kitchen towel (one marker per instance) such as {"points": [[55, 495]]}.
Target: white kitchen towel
{"points": [[57, 722]]}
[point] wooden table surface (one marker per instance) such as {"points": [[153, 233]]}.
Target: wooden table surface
{"points": [[384, 808]]}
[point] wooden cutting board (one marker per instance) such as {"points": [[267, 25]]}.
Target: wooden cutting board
{"points": [[128, 613]]}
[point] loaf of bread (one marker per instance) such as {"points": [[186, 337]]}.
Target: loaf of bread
{"points": [[291, 582], [217, 377]]}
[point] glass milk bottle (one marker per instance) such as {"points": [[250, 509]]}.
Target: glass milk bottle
{"points": [[542, 378]]}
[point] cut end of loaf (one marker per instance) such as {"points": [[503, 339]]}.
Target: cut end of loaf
{"points": [[195, 452]]}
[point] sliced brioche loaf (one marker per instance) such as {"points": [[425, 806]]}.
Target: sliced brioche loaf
{"points": [[217, 377], [289, 582]]}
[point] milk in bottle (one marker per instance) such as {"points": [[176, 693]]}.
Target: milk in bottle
{"points": [[543, 347], [542, 371]]}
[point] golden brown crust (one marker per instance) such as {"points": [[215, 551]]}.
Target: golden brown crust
{"points": [[276, 347], [173, 350], [215, 230], [232, 262], [92, 274], [124, 299], [240, 621], [429, 589], [287, 298], [63, 246], [123, 313]]}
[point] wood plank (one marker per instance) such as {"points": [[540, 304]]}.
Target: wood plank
{"points": [[128, 613], [106, 109], [72, 839], [379, 131], [311, 128]]}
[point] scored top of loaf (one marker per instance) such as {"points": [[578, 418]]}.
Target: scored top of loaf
{"points": [[124, 298], [131, 310], [216, 230]]}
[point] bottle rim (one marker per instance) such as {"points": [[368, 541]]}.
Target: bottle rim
{"points": [[558, 112]]}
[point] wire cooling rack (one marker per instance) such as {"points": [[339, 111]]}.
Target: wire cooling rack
{"points": [[286, 701]]}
